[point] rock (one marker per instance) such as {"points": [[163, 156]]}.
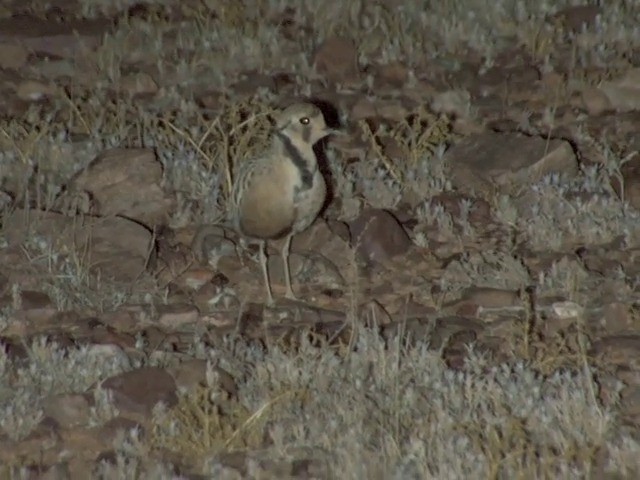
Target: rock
{"points": [[69, 410], [5, 201], [92, 441], [620, 350], [630, 403], [485, 162], [456, 352], [57, 471], [176, 315], [567, 310], [629, 377], [317, 254], [12, 56], [616, 318], [624, 93], [138, 84], [37, 307], [321, 238], [577, 17], [337, 59], [454, 330], [54, 70], [34, 91], [137, 392], [126, 318], [631, 182], [479, 215], [119, 248], [192, 373], [377, 236], [595, 101], [105, 342], [125, 182], [43, 445], [55, 39], [108, 352], [392, 110], [394, 74], [456, 103], [121, 245], [194, 278], [413, 331], [210, 244], [363, 108], [491, 298]]}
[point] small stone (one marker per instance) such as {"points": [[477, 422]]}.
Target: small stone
{"points": [[594, 101], [65, 39], [195, 278], [120, 248], [337, 59], [630, 402], [137, 392], [127, 182], [452, 102], [566, 309], [177, 315], [624, 93], [491, 298], [108, 351], [577, 17], [394, 73], [37, 306], [34, 91], [392, 110], [487, 162], [617, 318], [12, 56], [362, 109], [138, 84], [620, 350], [377, 236], [631, 182], [192, 373], [69, 410], [210, 245]]}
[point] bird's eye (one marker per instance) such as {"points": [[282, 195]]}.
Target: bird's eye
{"points": [[304, 120]]}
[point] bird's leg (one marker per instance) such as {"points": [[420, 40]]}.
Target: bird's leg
{"points": [[287, 273], [265, 273]]}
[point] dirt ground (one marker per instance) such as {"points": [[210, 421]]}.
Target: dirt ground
{"points": [[469, 297]]}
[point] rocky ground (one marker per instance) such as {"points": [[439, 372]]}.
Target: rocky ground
{"points": [[469, 297]]}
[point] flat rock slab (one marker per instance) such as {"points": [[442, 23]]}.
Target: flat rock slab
{"points": [[119, 248], [135, 393], [126, 182], [54, 38], [378, 236], [505, 162]]}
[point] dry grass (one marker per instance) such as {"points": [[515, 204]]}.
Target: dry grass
{"points": [[380, 410]]}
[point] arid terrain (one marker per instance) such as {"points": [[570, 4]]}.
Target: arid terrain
{"points": [[469, 298]]}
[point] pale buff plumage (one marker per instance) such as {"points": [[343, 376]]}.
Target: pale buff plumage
{"points": [[281, 192]]}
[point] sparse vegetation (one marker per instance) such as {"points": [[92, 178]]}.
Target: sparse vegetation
{"points": [[548, 380]]}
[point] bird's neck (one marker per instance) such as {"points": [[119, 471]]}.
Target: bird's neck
{"points": [[301, 155]]}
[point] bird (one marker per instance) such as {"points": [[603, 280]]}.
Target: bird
{"points": [[280, 193]]}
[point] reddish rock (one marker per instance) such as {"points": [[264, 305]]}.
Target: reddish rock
{"points": [[127, 182], [484, 163], [377, 236], [68, 410], [136, 393], [337, 59]]}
